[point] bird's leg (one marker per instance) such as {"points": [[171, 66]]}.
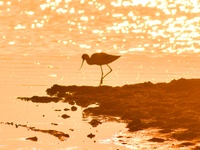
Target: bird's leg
{"points": [[103, 76], [101, 81], [108, 72]]}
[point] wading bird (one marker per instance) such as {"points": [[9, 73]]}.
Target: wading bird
{"points": [[99, 59]]}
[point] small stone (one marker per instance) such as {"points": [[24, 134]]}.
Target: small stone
{"points": [[91, 135], [66, 109], [185, 144], [64, 116], [73, 108], [72, 103], [57, 110], [32, 138], [55, 124], [95, 122], [124, 143], [119, 136], [157, 140]]}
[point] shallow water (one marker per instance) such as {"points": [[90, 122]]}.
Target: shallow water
{"points": [[29, 77], [41, 43]]}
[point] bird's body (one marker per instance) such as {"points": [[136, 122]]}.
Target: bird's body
{"points": [[100, 59]]}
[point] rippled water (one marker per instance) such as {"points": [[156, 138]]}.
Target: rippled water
{"points": [[73, 27], [41, 43]]}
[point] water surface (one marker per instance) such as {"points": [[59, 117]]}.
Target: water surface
{"points": [[41, 43]]}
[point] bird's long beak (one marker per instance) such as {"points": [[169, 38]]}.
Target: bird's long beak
{"points": [[81, 64]]}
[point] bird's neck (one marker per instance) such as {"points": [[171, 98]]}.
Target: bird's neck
{"points": [[89, 61]]}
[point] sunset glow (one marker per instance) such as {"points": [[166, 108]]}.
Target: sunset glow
{"points": [[93, 74], [174, 28]]}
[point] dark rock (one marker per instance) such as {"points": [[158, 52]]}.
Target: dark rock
{"points": [[71, 102], [156, 140], [187, 135], [66, 109], [66, 135], [40, 99], [124, 143], [55, 124], [73, 108], [59, 134], [57, 110], [135, 124], [64, 116], [186, 144], [95, 122], [119, 136], [165, 131], [91, 135], [35, 139], [197, 148], [9, 123], [167, 106]]}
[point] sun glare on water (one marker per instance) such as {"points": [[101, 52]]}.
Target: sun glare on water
{"points": [[41, 44], [143, 26]]}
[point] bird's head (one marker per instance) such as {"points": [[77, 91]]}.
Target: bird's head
{"points": [[84, 57]]}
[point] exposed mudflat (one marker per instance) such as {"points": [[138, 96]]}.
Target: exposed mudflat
{"points": [[172, 107]]}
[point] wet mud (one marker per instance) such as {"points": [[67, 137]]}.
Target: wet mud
{"points": [[167, 106], [60, 135]]}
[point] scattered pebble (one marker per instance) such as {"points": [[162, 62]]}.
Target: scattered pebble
{"points": [[55, 124], [9, 123], [73, 108], [91, 135], [124, 143], [156, 140], [186, 144], [95, 122], [35, 139], [57, 110], [66, 109], [71, 103], [64, 116], [119, 136]]}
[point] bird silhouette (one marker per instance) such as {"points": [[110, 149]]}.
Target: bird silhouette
{"points": [[99, 59]]}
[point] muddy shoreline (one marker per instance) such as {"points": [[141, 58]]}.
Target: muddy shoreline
{"points": [[167, 106]]}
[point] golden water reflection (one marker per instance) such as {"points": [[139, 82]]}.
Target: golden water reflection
{"points": [[41, 42], [152, 27]]}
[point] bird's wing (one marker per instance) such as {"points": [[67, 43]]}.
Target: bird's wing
{"points": [[102, 58], [99, 58]]}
